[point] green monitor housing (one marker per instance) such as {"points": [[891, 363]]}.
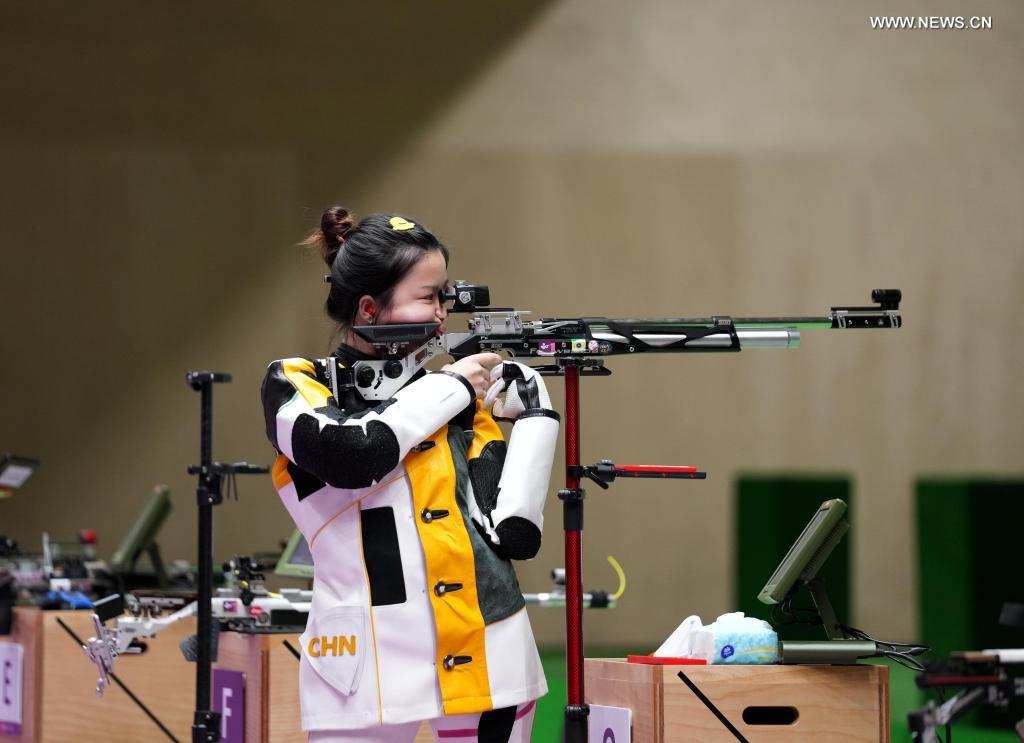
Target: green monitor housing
{"points": [[805, 559], [296, 560], [809, 552], [141, 537], [800, 567]]}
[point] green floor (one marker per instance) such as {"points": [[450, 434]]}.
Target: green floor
{"points": [[905, 696]]}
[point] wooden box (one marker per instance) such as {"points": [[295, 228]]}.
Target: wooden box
{"points": [[59, 700], [271, 684], [766, 704]]}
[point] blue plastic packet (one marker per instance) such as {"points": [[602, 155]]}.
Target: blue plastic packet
{"points": [[742, 640]]}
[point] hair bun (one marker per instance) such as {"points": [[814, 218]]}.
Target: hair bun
{"points": [[335, 224]]}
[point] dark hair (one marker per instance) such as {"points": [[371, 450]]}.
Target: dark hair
{"points": [[368, 257]]}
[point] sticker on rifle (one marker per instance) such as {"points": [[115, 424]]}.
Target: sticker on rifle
{"points": [[592, 346], [547, 348], [579, 345], [727, 651]]}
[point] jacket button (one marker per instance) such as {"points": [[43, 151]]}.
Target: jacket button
{"points": [[450, 661], [441, 588], [427, 515]]}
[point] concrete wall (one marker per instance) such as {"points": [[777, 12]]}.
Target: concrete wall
{"points": [[650, 158]]}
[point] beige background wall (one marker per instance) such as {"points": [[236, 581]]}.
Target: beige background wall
{"points": [[650, 158]]}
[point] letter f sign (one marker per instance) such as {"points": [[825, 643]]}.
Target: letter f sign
{"points": [[225, 711]]}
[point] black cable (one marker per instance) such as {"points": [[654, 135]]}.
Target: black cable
{"points": [[124, 688], [793, 618], [898, 652]]}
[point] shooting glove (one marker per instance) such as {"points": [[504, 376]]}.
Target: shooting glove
{"points": [[515, 388], [510, 486]]}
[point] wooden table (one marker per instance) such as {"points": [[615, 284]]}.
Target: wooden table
{"points": [[59, 701], [815, 703]]}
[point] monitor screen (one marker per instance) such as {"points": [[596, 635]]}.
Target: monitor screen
{"points": [[809, 551], [14, 471], [296, 560], [142, 533]]}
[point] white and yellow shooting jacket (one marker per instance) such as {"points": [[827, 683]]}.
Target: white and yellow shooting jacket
{"points": [[412, 509]]}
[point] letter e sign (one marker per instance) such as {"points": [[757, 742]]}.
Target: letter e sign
{"points": [[11, 662]]}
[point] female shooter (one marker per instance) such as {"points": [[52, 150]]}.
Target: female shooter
{"points": [[412, 508]]}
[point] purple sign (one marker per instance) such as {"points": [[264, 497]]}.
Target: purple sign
{"points": [[11, 661], [229, 700], [609, 724]]}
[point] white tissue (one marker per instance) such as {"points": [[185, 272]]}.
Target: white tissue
{"points": [[691, 639], [732, 638]]}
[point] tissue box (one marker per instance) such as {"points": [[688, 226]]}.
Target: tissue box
{"points": [[767, 704]]}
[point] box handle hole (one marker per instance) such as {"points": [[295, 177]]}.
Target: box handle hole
{"points": [[770, 715]]}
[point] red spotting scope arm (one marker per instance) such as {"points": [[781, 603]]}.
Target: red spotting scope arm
{"points": [[605, 472]]}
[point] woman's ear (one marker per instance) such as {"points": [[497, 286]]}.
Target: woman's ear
{"points": [[367, 312]]}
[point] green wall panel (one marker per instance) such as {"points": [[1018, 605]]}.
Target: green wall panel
{"points": [[969, 563]]}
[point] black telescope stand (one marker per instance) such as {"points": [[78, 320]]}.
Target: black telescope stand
{"points": [[206, 722]]}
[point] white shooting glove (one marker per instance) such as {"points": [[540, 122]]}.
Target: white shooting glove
{"points": [[512, 513], [514, 389]]}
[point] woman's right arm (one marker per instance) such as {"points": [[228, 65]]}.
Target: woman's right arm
{"points": [[306, 425]]}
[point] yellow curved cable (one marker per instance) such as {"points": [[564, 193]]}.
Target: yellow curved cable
{"points": [[622, 577]]}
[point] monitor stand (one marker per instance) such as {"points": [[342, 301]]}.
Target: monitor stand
{"points": [[838, 649]]}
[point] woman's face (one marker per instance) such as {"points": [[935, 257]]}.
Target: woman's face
{"points": [[416, 298]]}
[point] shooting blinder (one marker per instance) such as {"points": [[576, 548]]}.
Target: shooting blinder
{"points": [[466, 297]]}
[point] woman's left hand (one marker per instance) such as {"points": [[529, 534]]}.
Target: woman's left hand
{"points": [[523, 390]]}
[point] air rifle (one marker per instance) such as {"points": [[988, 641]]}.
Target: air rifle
{"points": [[405, 349]]}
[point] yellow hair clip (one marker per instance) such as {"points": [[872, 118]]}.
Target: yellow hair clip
{"points": [[399, 223]]}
